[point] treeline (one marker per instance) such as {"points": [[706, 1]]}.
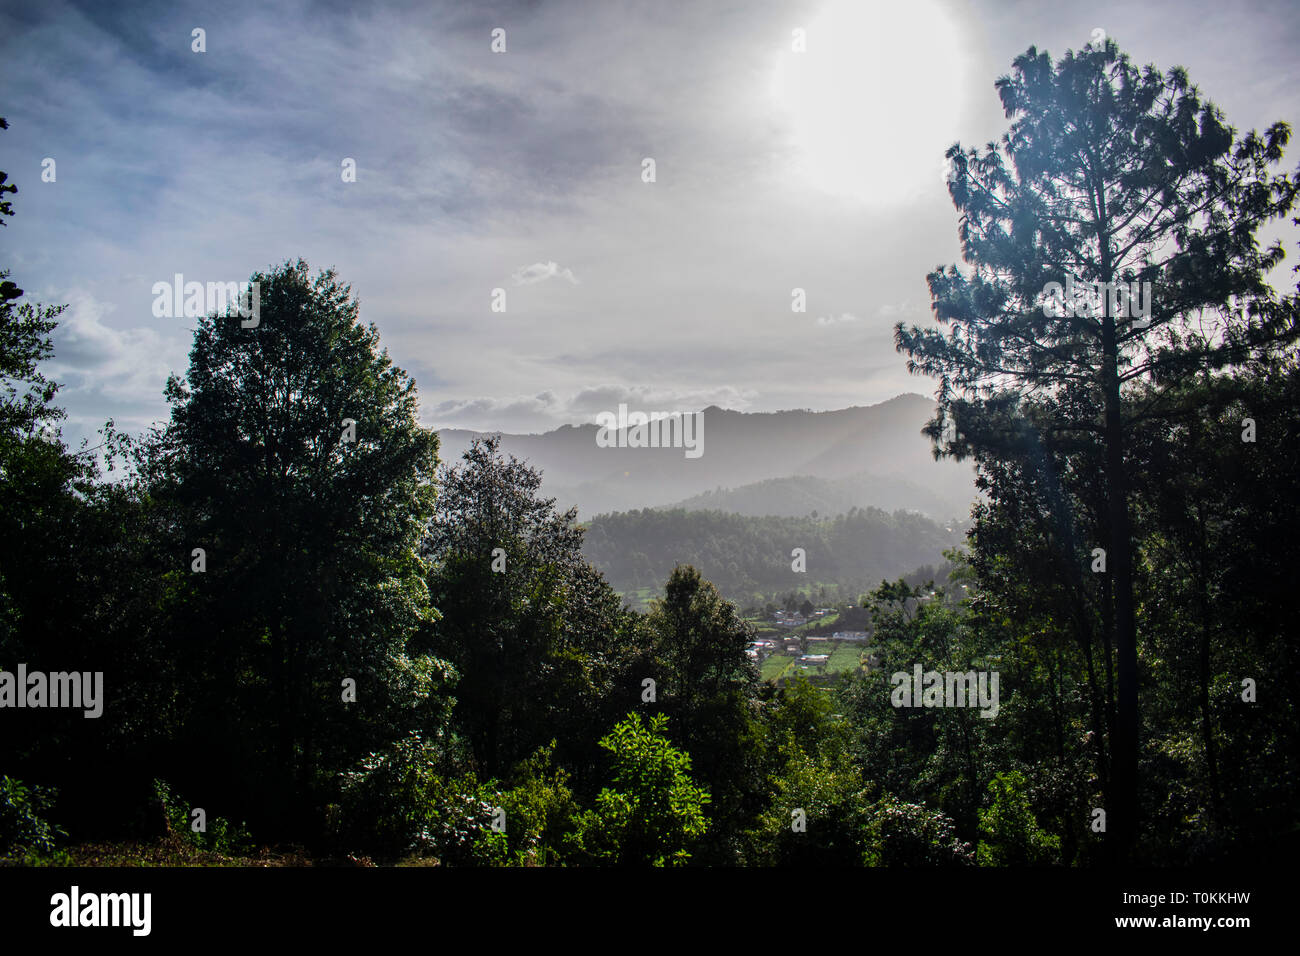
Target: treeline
{"points": [[749, 559], [320, 637], [310, 633]]}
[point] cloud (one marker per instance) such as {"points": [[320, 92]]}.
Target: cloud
{"points": [[125, 365], [545, 410], [540, 272], [890, 310], [586, 402], [522, 413], [469, 161]]}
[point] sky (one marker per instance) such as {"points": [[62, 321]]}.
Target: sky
{"points": [[524, 171]]}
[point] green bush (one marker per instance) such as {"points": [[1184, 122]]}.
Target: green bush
{"points": [[541, 811], [23, 827], [397, 802], [1010, 836], [656, 814], [221, 835], [911, 834]]}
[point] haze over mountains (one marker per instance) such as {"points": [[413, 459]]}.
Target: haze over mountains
{"points": [[755, 463]]}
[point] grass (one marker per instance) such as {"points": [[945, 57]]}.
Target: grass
{"points": [[167, 851], [818, 624], [775, 667], [845, 657], [639, 600]]}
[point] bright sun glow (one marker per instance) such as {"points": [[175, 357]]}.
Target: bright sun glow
{"points": [[875, 100]]}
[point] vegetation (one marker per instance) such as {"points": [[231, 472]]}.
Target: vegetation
{"points": [[309, 624], [749, 558]]}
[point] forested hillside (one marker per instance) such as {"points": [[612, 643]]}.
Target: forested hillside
{"points": [[749, 559], [800, 495]]}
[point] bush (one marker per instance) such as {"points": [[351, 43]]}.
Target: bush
{"points": [[220, 836], [657, 813], [396, 802], [23, 827], [911, 834], [1010, 836], [542, 813]]}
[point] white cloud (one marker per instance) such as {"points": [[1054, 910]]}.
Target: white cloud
{"points": [[545, 410], [124, 365], [842, 319], [540, 272], [598, 398]]}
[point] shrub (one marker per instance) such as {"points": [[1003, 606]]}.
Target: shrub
{"points": [[221, 836], [396, 802], [911, 834], [656, 814], [23, 827], [1010, 836]]}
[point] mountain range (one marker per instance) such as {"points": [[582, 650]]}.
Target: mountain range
{"points": [[788, 463]]}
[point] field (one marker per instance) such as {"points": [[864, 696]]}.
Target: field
{"points": [[844, 656], [775, 667]]}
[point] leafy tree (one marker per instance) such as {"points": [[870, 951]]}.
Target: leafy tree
{"points": [[541, 811], [540, 639], [1010, 836], [295, 460], [411, 798], [934, 756], [1112, 175], [708, 684], [654, 813], [40, 481], [23, 826], [808, 769], [1220, 540]]}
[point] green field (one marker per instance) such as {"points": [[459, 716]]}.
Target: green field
{"points": [[844, 656], [819, 624], [775, 666]]}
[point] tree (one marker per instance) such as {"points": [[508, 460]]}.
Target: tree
{"points": [[812, 791], [700, 641], [708, 683], [1116, 176], [654, 813], [539, 637], [38, 477], [296, 462], [1010, 836]]}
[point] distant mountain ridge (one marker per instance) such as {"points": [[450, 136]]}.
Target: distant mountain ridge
{"points": [[749, 558], [801, 495], [802, 456]]}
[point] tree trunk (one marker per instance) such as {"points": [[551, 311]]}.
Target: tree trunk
{"points": [[1122, 816], [1207, 720]]}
